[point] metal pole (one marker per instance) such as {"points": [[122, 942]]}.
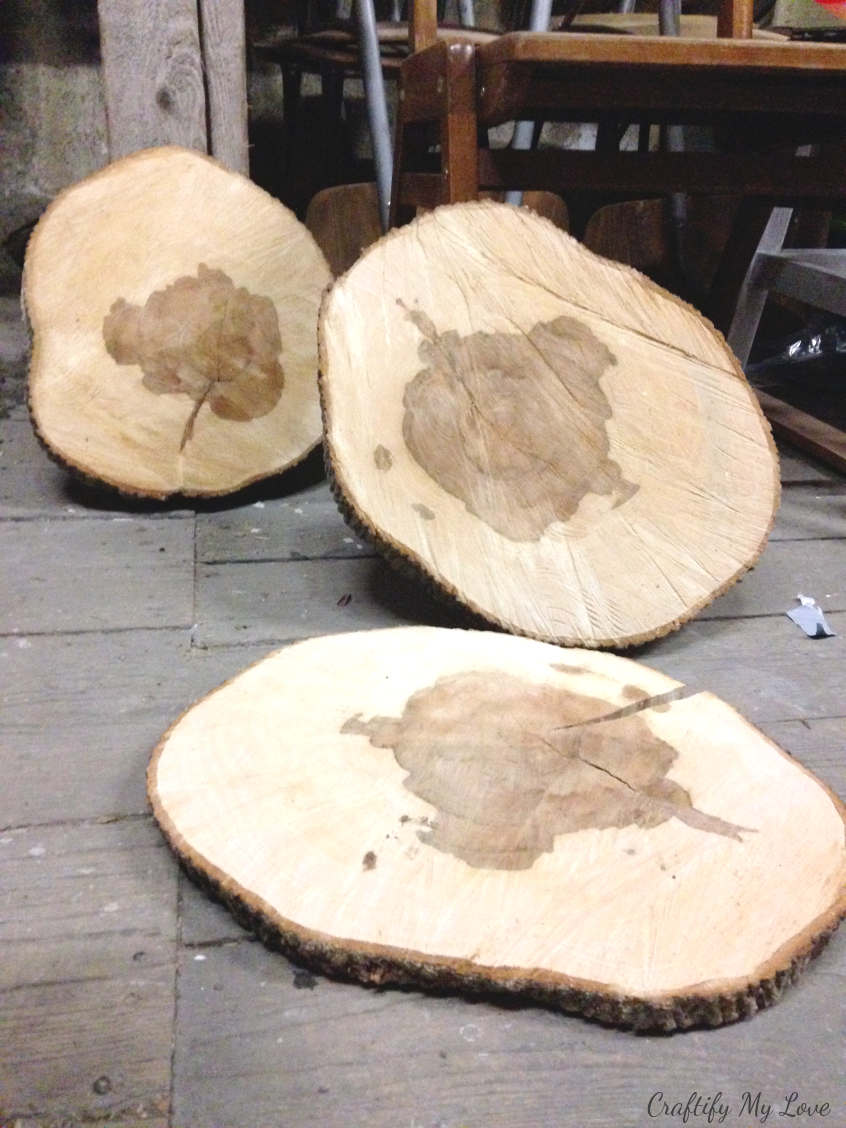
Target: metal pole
{"points": [[377, 105]]}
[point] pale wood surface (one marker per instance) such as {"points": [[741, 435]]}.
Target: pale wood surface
{"points": [[570, 451], [173, 306], [355, 883], [79, 714], [756, 665], [153, 74]]}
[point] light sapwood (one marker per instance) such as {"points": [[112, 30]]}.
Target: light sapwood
{"points": [[547, 436], [173, 307], [488, 813]]}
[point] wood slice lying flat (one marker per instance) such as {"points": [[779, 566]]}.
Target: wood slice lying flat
{"points": [[564, 447], [485, 812], [173, 306]]}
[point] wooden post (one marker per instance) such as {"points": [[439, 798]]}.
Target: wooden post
{"points": [[424, 24], [175, 74], [153, 74], [734, 19], [223, 43]]}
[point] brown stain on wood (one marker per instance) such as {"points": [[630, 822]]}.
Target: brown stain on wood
{"points": [[368, 862], [382, 457], [423, 511], [510, 764], [514, 424], [205, 338]]}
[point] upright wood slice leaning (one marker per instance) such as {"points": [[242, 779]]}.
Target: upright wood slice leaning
{"points": [[552, 439], [485, 812], [173, 306]]}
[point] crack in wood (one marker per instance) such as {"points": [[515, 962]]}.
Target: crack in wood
{"points": [[505, 788]]}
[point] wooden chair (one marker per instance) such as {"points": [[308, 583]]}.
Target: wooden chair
{"points": [[815, 276], [348, 47], [762, 97]]}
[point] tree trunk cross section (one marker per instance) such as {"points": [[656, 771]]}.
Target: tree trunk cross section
{"points": [[562, 446], [488, 813], [173, 306]]}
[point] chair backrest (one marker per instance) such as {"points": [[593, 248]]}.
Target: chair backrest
{"points": [[734, 21]]}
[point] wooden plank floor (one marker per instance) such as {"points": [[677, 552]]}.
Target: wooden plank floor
{"points": [[127, 997]]}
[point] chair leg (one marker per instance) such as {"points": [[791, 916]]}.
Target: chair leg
{"points": [[752, 295], [747, 228]]}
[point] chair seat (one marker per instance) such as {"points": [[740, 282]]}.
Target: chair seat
{"points": [[553, 73], [646, 23], [338, 46], [652, 51]]}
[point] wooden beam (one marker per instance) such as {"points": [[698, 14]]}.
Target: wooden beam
{"points": [[153, 74], [761, 174], [223, 44], [805, 431]]}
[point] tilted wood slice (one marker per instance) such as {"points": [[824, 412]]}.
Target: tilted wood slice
{"points": [[173, 307], [480, 811], [564, 447]]}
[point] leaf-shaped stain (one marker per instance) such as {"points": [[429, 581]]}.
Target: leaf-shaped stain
{"points": [[509, 765], [514, 424], [207, 339]]}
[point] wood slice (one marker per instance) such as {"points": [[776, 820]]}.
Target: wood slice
{"points": [[485, 812], [551, 438], [173, 306]]}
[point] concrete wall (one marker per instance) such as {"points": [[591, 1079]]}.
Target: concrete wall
{"points": [[52, 113]]}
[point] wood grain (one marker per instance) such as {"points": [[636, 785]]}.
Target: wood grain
{"points": [[673, 803], [147, 578], [223, 42], [88, 929], [814, 435], [174, 346], [663, 51], [153, 74], [256, 1034], [766, 667], [305, 526], [269, 601], [74, 692], [563, 447]]}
